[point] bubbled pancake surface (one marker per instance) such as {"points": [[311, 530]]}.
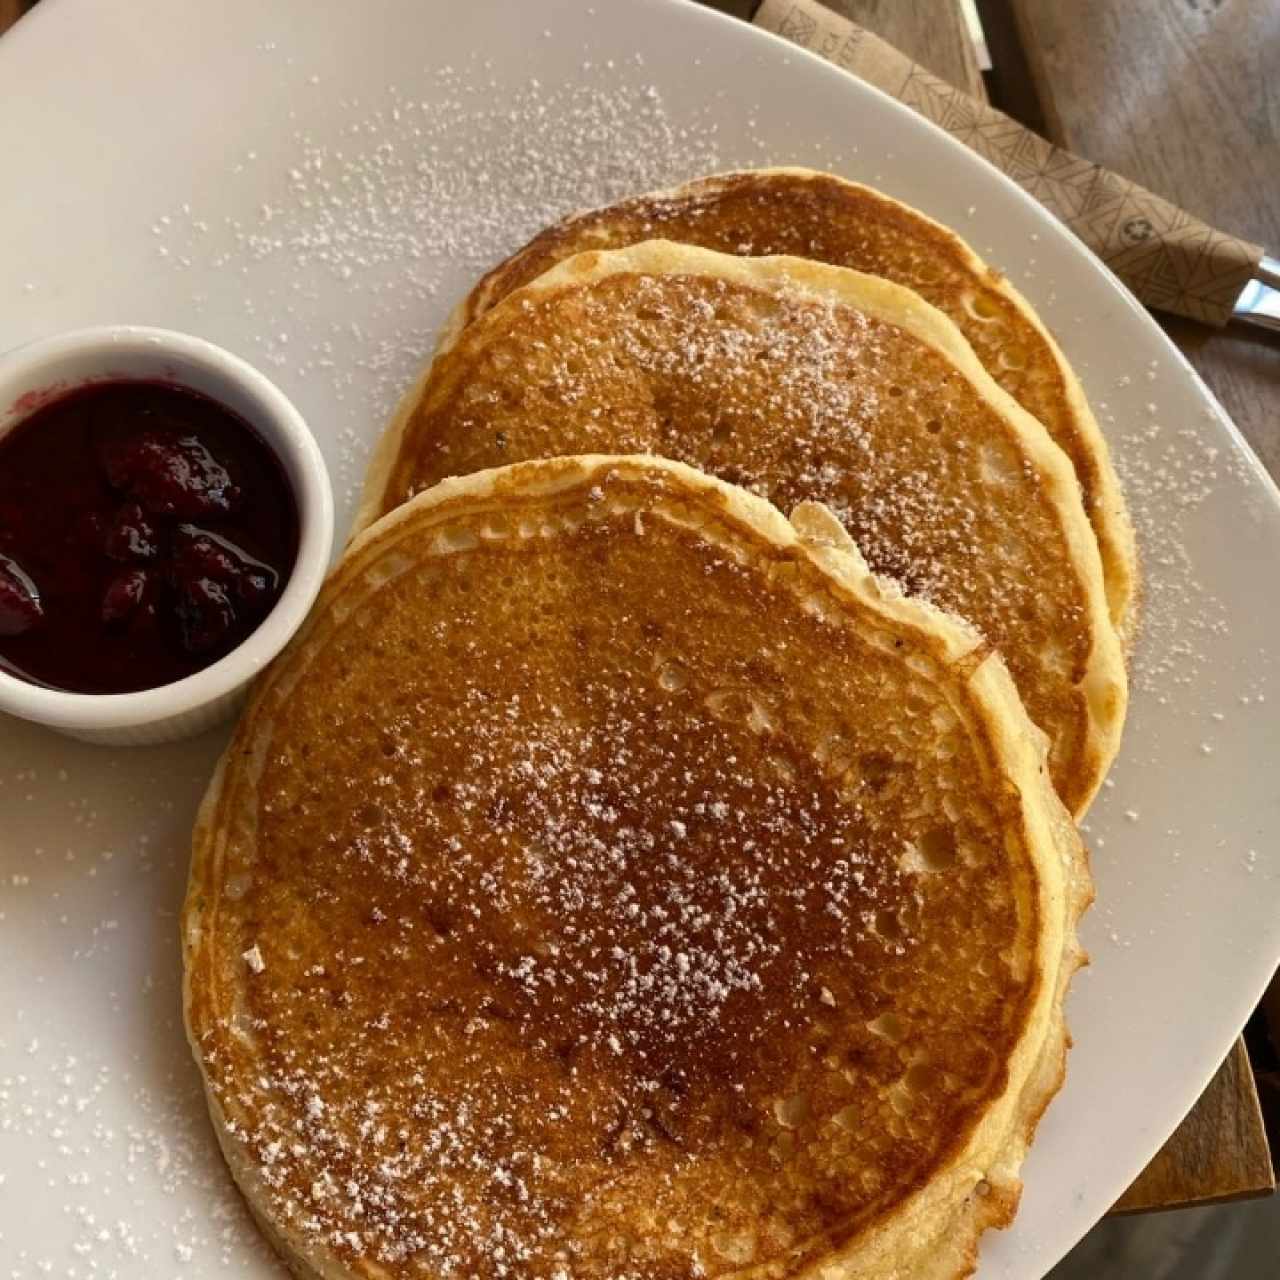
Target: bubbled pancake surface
{"points": [[825, 218], [799, 381], [608, 883]]}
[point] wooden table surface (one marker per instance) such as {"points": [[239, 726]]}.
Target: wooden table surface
{"points": [[1177, 97]]}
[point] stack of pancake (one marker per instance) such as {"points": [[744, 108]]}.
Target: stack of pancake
{"points": [[654, 858]]}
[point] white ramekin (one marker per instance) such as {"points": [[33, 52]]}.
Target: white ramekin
{"points": [[31, 375]]}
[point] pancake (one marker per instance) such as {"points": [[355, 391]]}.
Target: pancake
{"points": [[798, 380], [614, 879], [820, 216]]}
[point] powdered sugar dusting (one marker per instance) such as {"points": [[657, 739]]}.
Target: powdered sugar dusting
{"points": [[422, 192], [796, 396], [580, 925], [800, 390], [621, 946], [1169, 471], [91, 1116]]}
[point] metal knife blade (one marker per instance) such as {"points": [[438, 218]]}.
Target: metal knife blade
{"points": [[1259, 300]]}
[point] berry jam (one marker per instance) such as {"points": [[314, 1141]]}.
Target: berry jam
{"points": [[145, 531]]}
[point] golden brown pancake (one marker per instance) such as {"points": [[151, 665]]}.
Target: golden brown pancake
{"points": [[819, 216], [798, 380], [613, 880]]}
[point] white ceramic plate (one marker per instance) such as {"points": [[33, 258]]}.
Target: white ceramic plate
{"points": [[312, 185]]}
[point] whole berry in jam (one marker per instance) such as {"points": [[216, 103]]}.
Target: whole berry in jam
{"points": [[217, 583], [169, 474], [205, 614]]}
